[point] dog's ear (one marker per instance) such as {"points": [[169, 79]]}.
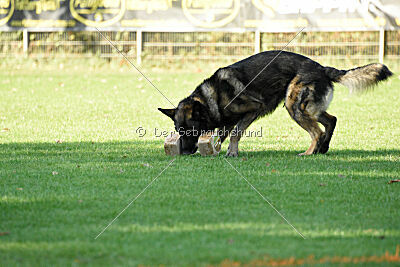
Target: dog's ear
{"points": [[170, 112], [199, 112]]}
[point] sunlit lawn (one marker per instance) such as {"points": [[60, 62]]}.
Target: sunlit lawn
{"points": [[71, 160]]}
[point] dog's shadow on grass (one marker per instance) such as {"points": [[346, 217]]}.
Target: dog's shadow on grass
{"points": [[155, 148], [333, 153], [153, 151]]}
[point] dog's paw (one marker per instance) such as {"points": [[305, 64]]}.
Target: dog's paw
{"points": [[303, 154], [233, 150], [230, 153], [323, 148], [323, 145]]}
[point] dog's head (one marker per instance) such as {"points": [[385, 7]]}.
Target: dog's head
{"points": [[191, 119]]}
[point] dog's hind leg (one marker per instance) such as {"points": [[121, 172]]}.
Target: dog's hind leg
{"points": [[301, 106], [236, 134], [311, 126], [329, 123]]}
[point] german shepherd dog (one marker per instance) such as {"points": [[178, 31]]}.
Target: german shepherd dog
{"points": [[234, 96]]}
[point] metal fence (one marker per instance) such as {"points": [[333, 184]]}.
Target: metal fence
{"points": [[205, 46]]}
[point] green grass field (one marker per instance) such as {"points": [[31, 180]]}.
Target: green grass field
{"points": [[72, 158]]}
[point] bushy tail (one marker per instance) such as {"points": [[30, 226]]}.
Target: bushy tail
{"points": [[361, 78]]}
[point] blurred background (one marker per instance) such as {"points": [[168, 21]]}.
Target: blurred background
{"points": [[176, 34]]}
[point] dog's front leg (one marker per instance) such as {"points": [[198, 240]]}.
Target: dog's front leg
{"points": [[236, 134], [233, 148]]}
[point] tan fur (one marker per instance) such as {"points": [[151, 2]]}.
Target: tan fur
{"points": [[294, 89], [198, 99], [291, 95], [311, 126], [188, 111], [313, 109], [184, 112], [361, 78], [307, 120]]}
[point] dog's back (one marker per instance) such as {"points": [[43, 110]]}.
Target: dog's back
{"points": [[272, 69], [267, 75]]}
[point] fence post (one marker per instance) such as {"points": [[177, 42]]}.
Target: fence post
{"points": [[257, 42], [381, 44], [139, 47], [25, 41]]}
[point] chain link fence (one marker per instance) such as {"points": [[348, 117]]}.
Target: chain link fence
{"points": [[168, 47]]}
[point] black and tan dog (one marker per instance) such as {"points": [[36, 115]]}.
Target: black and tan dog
{"points": [[234, 96]]}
